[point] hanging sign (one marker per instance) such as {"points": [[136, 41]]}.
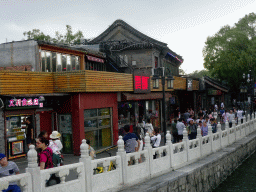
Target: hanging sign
{"points": [[141, 80], [189, 84]]}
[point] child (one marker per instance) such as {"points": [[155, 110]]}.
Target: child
{"points": [[8, 168]]}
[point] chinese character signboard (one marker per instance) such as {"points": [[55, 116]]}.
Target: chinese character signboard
{"points": [[189, 84], [24, 102], [214, 92], [141, 79]]}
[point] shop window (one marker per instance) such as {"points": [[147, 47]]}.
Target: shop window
{"points": [[156, 62], [64, 62], [155, 83], [58, 62], [73, 63], [43, 60], [54, 61], [68, 63], [98, 127], [77, 63], [48, 61]]}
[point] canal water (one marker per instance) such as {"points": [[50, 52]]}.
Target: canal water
{"points": [[242, 179]]}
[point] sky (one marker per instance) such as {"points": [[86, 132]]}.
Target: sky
{"points": [[183, 24]]}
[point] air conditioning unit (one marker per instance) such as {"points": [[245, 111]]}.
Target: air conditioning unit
{"points": [[134, 63]]}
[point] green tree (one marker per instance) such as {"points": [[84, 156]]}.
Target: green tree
{"points": [[200, 73], [68, 38], [232, 51]]}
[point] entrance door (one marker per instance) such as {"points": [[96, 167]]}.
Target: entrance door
{"points": [[46, 122]]}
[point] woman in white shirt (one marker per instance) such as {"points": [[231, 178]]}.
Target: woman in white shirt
{"points": [[156, 138]]}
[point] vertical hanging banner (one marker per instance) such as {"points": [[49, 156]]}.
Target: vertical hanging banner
{"points": [[189, 84], [141, 79]]}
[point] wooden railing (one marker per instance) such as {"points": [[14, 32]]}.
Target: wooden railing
{"points": [[27, 82]]}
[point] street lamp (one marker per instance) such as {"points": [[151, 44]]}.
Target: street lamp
{"points": [[159, 73]]}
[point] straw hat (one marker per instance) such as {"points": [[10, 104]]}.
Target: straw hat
{"points": [[55, 135]]}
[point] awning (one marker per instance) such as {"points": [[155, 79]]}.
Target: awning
{"points": [[91, 58], [216, 86], [148, 96]]}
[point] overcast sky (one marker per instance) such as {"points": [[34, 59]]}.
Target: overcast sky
{"points": [[183, 24]]}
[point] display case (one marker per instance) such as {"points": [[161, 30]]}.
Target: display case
{"points": [[15, 134]]}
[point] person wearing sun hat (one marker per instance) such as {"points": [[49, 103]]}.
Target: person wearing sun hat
{"points": [[56, 146], [55, 142], [8, 168]]}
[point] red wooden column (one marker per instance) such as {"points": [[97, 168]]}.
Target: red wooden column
{"points": [[77, 122]]}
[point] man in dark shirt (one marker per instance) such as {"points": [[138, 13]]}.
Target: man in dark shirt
{"points": [[131, 141], [30, 132], [176, 112]]}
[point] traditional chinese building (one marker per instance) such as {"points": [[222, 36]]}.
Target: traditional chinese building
{"points": [[83, 93]]}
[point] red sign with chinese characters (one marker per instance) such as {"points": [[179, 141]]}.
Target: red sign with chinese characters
{"points": [[141, 81]]}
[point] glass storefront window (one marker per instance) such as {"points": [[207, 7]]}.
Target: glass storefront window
{"points": [[68, 63], [103, 112], [53, 61], [98, 127]]}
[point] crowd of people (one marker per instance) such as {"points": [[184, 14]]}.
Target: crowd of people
{"points": [[204, 118]]}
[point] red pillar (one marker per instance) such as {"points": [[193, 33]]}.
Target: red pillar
{"points": [[77, 122]]}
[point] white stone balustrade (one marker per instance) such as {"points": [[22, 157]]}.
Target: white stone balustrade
{"points": [[23, 180], [130, 168]]}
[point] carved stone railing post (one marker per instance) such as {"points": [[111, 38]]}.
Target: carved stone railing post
{"points": [[122, 153], [148, 147], [34, 169], [219, 130], [210, 135], [234, 127], [199, 136], [86, 159], [169, 145], [185, 140], [227, 129]]}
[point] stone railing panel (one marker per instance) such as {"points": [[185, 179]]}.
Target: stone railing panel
{"points": [[179, 155], [111, 177], [137, 170], [206, 145], [161, 162], [23, 180], [216, 145], [224, 138], [194, 150], [62, 172]]}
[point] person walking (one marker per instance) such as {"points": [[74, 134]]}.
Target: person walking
{"points": [[192, 130], [155, 138], [231, 117], [180, 127], [92, 153], [9, 168], [204, 129], [45, 156], [174, 131], [131, 141], [149, 127], [29, 132]]}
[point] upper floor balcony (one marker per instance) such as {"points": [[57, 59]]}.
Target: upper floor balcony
{"points": [[28, 82]]}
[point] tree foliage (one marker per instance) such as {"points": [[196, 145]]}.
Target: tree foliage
{"points": [[199, 73], [232, 51], [68, 38]]}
